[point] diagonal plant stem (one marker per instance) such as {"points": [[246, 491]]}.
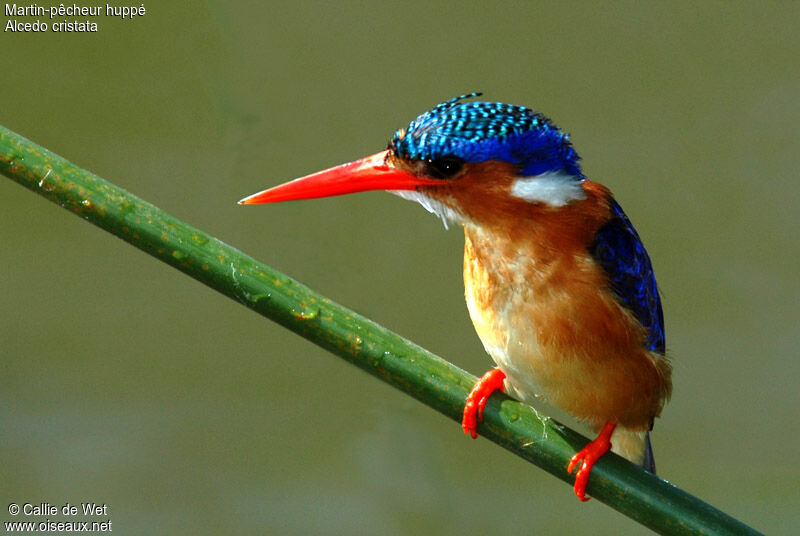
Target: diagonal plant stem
{"points": [[441, 385]]}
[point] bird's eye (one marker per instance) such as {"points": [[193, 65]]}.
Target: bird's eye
{"points": [[443, 167]]}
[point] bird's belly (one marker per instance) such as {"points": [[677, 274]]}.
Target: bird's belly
{"points": [[530, 372], [516, 353], [568, 343], [592, 384]]}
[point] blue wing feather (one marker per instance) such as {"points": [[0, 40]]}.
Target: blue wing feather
{"points": [[619, 250]]}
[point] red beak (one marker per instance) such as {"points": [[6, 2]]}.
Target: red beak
{"points": [[364, 174]]}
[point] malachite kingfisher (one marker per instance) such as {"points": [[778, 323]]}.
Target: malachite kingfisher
{"points": [[557, 282]]}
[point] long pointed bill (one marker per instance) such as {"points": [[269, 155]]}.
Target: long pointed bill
{"points": [[369, 173]]}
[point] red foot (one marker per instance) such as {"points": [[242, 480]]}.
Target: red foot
{"points": [[490, 382], [590, 454]]}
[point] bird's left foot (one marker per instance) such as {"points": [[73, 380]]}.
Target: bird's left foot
{"points": [[476, 400], [590, 454]]}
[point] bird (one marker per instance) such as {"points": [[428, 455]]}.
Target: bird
{"points": [[558, 284]]}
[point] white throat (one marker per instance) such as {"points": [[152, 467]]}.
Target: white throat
{"points": [[445, 213]]}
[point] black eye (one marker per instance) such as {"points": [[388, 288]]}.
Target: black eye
{"points": [[443, 167]]}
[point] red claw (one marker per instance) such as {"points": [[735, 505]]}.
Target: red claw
{"points": [[476, 400], [590, 454]]}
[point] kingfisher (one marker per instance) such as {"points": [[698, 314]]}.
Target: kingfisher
{"points": [[558, 284]]}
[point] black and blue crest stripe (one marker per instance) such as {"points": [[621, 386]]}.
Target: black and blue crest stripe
{"points": [[482, 131]]}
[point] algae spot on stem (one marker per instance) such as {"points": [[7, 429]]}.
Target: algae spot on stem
{"points": [[305, 315], [356, 342], [198, 239]]}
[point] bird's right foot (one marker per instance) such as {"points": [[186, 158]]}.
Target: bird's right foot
{"points": [[586, 457]]}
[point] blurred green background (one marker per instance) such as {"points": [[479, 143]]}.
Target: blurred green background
{"points": [[124, 382]]}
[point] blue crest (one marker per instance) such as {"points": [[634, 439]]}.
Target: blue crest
{"points": [[482, 131], [619, 250]]}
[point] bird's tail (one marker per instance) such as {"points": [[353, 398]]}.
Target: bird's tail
{"points": [[649, 462]]}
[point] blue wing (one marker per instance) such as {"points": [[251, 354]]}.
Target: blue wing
{"points": [[619, 250]]}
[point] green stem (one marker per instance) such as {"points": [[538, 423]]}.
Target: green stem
{"points": [[428, 378]]}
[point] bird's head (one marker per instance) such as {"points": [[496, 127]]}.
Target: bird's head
{"points": [[463, 160]]}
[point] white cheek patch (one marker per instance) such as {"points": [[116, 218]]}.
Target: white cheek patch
{"points": [[554, 188]]}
